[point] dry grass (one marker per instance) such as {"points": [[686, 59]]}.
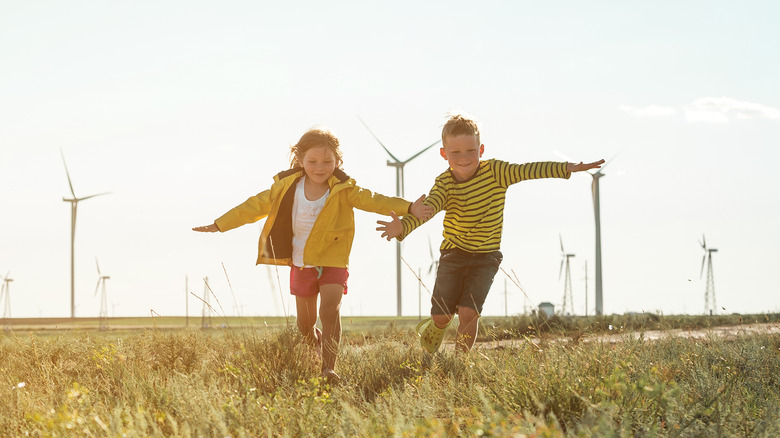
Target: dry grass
{"points": [[263, 382]]}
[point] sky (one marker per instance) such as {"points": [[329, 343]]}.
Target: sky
{"points": [[182, 110]]}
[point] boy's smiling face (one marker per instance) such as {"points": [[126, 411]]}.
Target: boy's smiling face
{"points": [[462, 152]]}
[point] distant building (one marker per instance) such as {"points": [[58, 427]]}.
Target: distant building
{"points": [[547, 308]]}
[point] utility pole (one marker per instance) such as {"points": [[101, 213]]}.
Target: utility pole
{"points": [[186, 302], [586, 288], [506, 308]]}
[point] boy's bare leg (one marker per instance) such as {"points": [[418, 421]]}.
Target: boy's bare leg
{"points": [[306, 308], [467, 329], [441, 321], [330, 315]]}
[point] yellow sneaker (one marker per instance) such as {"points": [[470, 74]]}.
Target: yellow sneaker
{"points": [[430, 335]]}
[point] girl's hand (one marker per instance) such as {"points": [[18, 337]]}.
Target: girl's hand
{"points": [[390, 229], [420, 210], [580, 167], [207, 228]]}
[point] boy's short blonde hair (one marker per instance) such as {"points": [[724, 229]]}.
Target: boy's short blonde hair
{"points": [[460, 124], [313, 138]]}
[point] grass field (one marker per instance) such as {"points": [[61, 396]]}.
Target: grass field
{"points": [[253, 379], [519, 325]]}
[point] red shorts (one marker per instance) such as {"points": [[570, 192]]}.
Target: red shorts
{"points": [[306, 282]]}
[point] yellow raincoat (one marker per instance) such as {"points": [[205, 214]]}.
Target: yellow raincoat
{"points": [[330, 240]]}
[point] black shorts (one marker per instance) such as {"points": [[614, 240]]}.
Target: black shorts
{"points": [[463, 279]]}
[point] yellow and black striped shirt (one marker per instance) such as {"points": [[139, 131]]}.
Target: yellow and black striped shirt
{"points": [[475, 208]]}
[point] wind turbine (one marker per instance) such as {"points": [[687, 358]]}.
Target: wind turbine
{"points": [[74, 202], [399, 192], [567, 298], [709, 292], [103, 304], [5, 293], [597, 211], [434, 266]]}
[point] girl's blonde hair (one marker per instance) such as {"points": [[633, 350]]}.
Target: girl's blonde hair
{"points": [[315, 137]]}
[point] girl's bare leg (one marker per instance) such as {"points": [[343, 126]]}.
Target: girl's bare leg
{"points": [[306, 308], [330, 315]]}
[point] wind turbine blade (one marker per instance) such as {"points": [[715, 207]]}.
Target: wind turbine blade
{"points": [[430, 251], [418, 153], [606, 163], [560, 271], [92, 196], [703, 242], [96, 288], [98, 267], [561, 239], [702, 266], [380, 143], [67, 174], [562, 155]]}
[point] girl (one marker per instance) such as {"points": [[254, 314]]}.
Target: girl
{"points": [[310, 227]]}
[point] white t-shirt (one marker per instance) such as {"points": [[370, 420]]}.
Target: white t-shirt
{"points": [[304, 213]]}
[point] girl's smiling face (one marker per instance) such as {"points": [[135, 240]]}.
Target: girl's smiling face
{"points": [[319, 163], [462, 152]]}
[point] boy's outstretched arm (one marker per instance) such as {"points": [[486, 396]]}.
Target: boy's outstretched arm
{"points": [[212, 228], [571, 167], [390, 229]]}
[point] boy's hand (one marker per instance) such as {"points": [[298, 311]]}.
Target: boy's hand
{"points": [[570, 167], [420, 210], [207, 228], [390, 229]]}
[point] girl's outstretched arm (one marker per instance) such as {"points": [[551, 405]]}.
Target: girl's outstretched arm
{"points": [[212, 228], [420, 210], [571, 167]]}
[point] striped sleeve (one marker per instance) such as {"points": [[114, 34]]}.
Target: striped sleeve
{"points": [[507, 173], [435, 199]]}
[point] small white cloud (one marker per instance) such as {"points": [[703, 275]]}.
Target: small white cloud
{"points": [[724, 109], [649, 111]]}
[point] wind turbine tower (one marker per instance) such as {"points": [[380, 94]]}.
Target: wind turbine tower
{"points": [[597, 212], [74, 202], [568, 303], [5, 297], [103, 303], [399, 192], [710, 307]]}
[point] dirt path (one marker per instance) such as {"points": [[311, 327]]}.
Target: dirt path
{"points": [[650, 335]]}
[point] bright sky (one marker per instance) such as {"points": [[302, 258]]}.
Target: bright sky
{"points": [[184, 109]]}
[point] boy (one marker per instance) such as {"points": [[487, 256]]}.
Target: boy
{"points": [[472, 192]]}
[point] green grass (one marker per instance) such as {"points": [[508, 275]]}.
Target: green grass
{"points": [[261, 381]]}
